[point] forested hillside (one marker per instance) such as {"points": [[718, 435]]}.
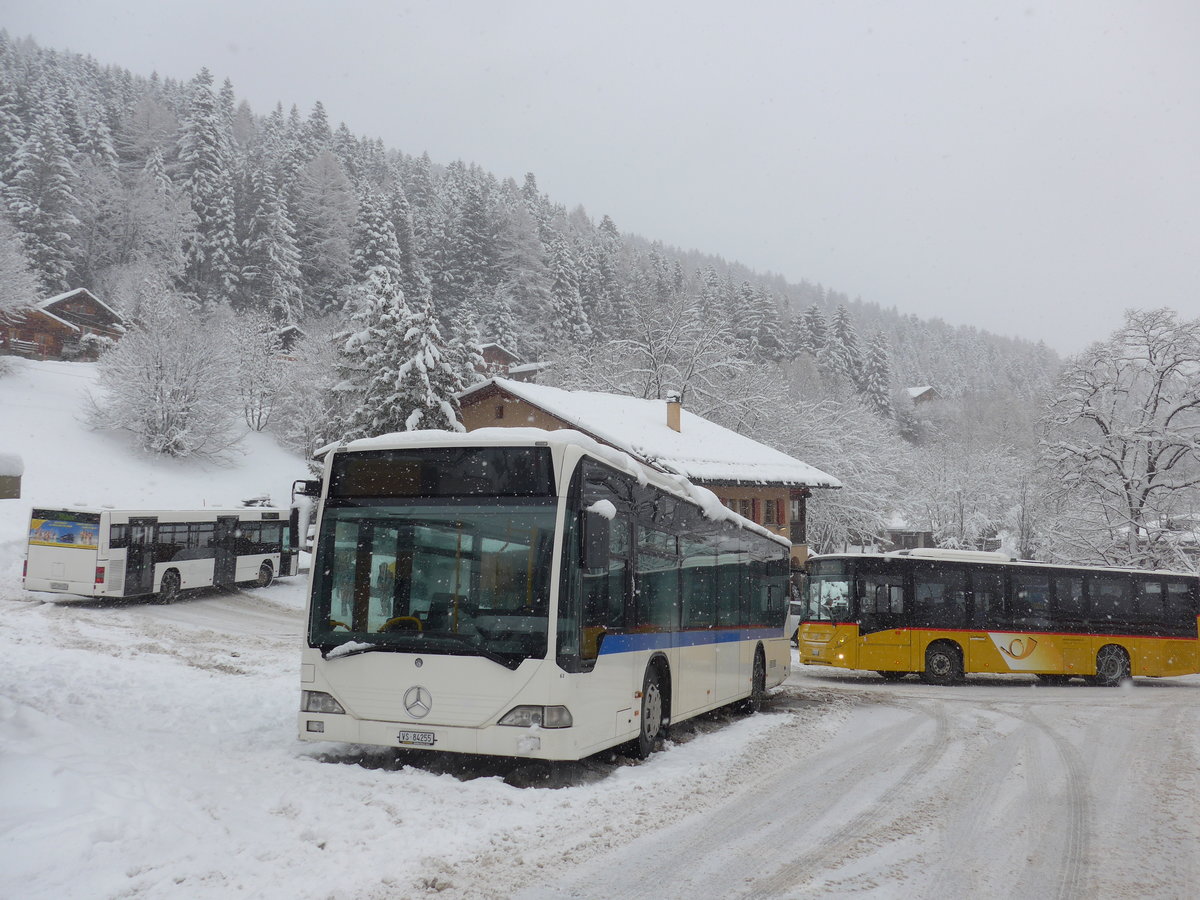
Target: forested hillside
{"points": [[196, 215]]}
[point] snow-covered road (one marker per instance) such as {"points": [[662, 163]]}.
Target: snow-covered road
{"points": [[149, 751]]}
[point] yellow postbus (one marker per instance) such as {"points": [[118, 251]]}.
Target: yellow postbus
{"points": [[944, 613]]}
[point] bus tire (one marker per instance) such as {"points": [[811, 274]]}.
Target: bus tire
{"points": [[943, 663], [1112, 666], [265, 575], [650, 732], [757, 700], [168, 591], [891, 676]]}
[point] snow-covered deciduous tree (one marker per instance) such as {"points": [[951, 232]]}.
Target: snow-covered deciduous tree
{"points": [[1123, 442], [257, 350], [309, 405], [170, 382], [846, 439], [962, 493]]}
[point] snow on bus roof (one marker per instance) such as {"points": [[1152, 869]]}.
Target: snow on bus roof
{"points": [[708, 502], [701, 450]]}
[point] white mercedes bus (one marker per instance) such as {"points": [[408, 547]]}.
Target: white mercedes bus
{"points": [[135, 553], [527, 593]]}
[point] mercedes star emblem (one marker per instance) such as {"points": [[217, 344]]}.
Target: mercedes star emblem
{"points": [[418, 701]]}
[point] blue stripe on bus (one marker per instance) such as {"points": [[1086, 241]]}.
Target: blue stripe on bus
{"points": [[663, 640]]}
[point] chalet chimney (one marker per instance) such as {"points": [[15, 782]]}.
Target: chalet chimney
{"points": [[674, 408]]}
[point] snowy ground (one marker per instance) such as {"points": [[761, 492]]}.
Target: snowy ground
{"points": [[150, 751]]}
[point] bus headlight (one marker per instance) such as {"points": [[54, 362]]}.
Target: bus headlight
{"points": [[543, 716], [319, 702]]}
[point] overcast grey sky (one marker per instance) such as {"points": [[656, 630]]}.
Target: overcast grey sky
{"points": [[1029, 168]]}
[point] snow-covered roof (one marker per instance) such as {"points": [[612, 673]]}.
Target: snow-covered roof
{"points": [[702, 451], [915, 392], [528, 367], [60, 297], [63, 322]]}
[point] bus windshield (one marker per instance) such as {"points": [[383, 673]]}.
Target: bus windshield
{"points": [[447, 578], [827, 592]]}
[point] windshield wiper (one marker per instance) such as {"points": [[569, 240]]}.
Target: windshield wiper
{"points": [[353, 648]]}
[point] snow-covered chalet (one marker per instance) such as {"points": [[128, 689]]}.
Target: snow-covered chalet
{"points": [[755, 480], [73, 325]]}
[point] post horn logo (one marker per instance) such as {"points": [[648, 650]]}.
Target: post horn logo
{"points": [[418, 701], [1020, 648]]}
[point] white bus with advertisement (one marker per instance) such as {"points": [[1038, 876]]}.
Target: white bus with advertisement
{"points": [[136, 553], [526, 593]]}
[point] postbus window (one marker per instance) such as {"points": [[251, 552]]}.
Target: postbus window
{"points": [[1111, 598], [987, 591], [1029, 603], [880, 595], [606, 591], [1069, 602], [1150, 603], [939, 597], [827, 592], [1180, 604]]}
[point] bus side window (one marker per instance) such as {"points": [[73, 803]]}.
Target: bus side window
{"points": [[940, 597], [1150, 603], [1180, 605], [987, 591], [118, 537]]}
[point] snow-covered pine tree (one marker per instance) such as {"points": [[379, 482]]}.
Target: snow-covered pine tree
{"points": [[877, 375], [375, 243], [40, 196], [841, 356], [18, 285], [814, 331], [208, 184], [325, 210], [569, 321], [403, 374], [271, 272]]}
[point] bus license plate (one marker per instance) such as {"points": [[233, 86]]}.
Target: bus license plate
{"points": [[420, 738], [58, 585]]}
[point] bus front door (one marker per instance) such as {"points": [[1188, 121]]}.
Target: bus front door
{"points": [[139, 557], [884, 644], [225, 549]]}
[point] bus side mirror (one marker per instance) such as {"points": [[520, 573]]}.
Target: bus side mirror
{"points": [[595, 536], [306, 489]]}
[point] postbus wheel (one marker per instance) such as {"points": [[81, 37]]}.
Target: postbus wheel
{"points": [[265, 575], [168, 591], [943, 663], [651, 729], [1112, 666]]}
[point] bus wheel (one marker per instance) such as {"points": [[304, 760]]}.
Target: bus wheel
{"points": [[168, 591], [758, 684], [891, 676], [943, 664], [1112, 666], [650, 734], [265, 575]]}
